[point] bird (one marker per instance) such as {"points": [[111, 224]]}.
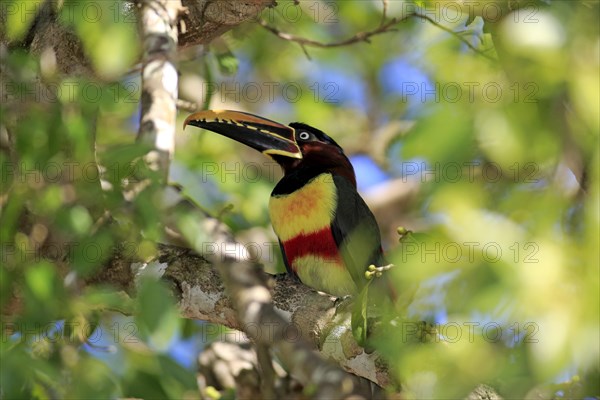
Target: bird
{"points": [[329, 238]]}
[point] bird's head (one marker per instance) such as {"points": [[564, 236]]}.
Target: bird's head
{"points": [[292, 146]]}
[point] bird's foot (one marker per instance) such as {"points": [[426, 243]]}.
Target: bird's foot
{"points": [[342, 299], [376, 272]]}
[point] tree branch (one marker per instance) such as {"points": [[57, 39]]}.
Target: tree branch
{"points": [[299, 320], [455, 34], [358, 37], [159, 80], [384, 27], [253, 302], [203, 21], [209, 19]]}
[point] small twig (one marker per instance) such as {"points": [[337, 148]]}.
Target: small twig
{"points": [[185, 105], [359, 37], [268, 375], [103, 219], [455, 34], [104, 349], [384, 12], [384, 27], [208, 76], [305, 52]]}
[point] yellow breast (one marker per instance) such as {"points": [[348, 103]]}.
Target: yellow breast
{"points": [[324, 274], [308, 209]]}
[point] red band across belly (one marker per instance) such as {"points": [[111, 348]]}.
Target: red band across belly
{"points": [[320, 243]]}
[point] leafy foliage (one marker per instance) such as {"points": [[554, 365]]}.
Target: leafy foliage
{"points": [[504, 154]]}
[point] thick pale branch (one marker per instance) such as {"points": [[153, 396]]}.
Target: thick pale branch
{"points": [[301, 320], [159, 79], [207, 20]]}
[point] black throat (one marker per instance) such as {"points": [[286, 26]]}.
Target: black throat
{"points": [[296, 179]]}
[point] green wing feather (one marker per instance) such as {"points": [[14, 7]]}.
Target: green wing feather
{"points": [[355, 232]]}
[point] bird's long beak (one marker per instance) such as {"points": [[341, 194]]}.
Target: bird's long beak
{"points": [[264, 135]]}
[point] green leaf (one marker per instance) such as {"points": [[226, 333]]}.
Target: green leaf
{"points": [[95, 298], [40, 279], [92, 378], [80, 219], [157, 316], [228, 63], [19, 17], [208, 75], [107, 32], [90, 252], [359, 316]]}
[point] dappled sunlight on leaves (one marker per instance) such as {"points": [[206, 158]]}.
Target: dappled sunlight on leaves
{"points": [[503, 156]]}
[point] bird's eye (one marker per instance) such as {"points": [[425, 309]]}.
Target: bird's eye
{"points": [[304, 135]]}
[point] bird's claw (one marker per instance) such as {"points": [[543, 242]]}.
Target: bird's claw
{"points": [[376, 272], [342, 299]]}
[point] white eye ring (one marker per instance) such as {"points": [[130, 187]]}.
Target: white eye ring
{"points": [[304, 135]]}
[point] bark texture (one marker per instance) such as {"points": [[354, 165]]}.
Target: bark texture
{"points": [[158, 27], [201, 21], [299, 315]]}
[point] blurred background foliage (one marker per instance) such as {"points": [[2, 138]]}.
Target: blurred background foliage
{"points": [[489, 157]]}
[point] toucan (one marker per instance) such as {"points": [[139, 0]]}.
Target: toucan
{"points": [[328, 236]]}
